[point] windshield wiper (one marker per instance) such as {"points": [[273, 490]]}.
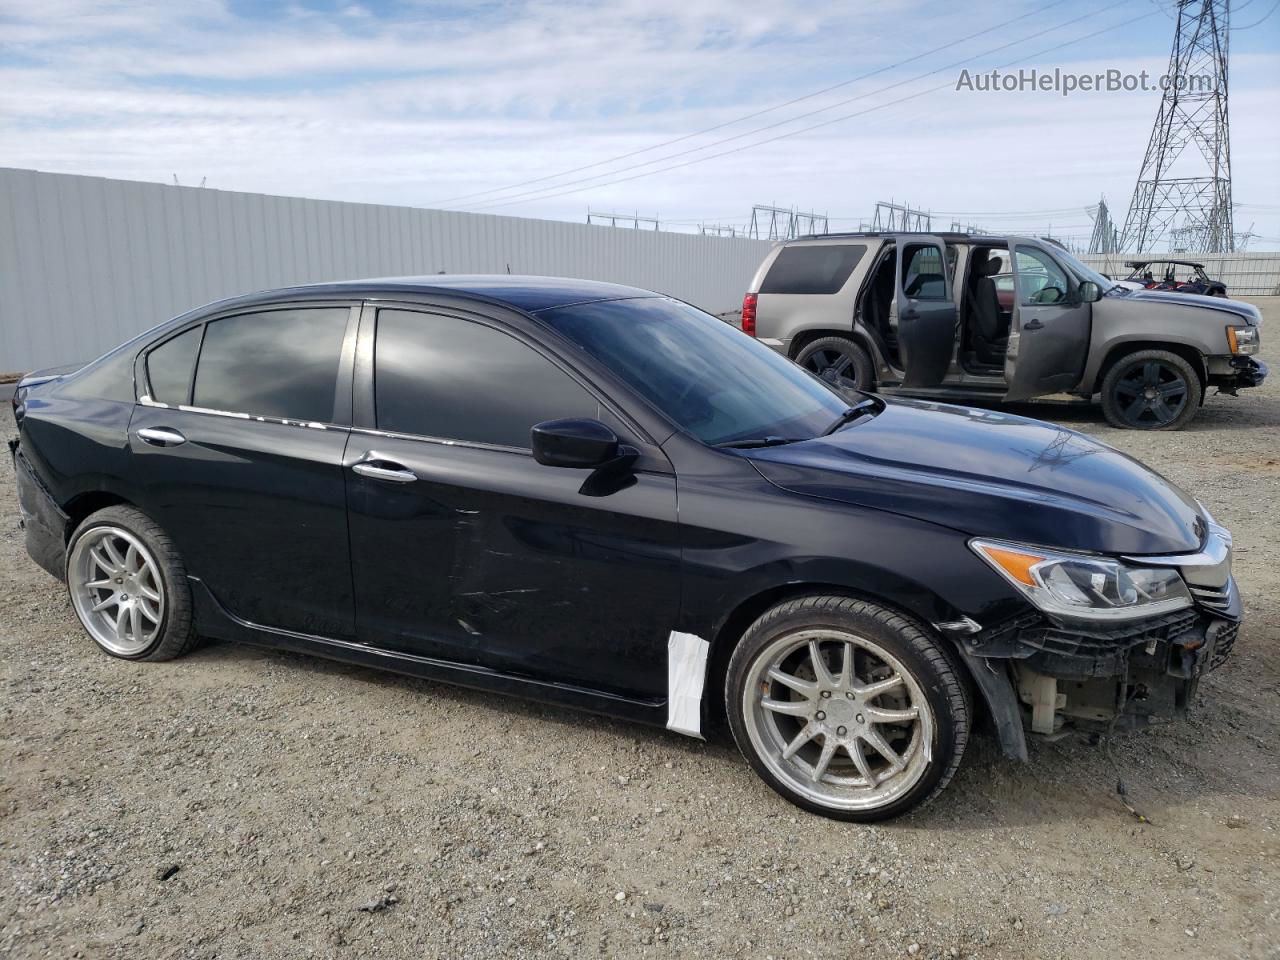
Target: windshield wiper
{"points": [[757, 442], [868, 406]]}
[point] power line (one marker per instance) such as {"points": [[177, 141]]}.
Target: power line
{"points": [[748, 116], [825, 123], [1266, 16], [558, 187]]}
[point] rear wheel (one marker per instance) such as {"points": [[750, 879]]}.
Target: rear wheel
{"points": [[1150, 390], [840, 361], [847, 709], [129, 587]]}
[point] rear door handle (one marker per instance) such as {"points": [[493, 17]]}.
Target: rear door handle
{"points": [[161, 436], [1032, 324], [376, 468]]}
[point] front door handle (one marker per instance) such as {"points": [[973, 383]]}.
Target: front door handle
{"points": [[1032, 324], [161, 436], [376, 468]]}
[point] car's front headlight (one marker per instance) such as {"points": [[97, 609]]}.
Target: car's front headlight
{"points": [[1243, 340], [1085, 587]]}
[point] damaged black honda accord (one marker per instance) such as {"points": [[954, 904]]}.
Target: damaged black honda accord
{"points": [[604, 498]]}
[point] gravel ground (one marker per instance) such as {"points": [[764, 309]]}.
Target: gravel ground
{"points": [[246, 804]]}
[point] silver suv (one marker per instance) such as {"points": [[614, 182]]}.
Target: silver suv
{"points": [[964, 317]]}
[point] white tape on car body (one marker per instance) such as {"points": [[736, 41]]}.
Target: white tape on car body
{"points": [[686, 674]]}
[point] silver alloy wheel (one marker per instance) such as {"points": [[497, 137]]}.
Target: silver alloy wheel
{"points": [[838, 719], [116, 589]]}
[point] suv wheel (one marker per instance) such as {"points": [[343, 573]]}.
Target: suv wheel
{"points": [[129, 587], [1150, 390], [839, 361], [847, 709]]}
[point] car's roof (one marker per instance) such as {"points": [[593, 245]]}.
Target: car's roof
{"points": [[947, 235], [522, 292], [1144, 263]]}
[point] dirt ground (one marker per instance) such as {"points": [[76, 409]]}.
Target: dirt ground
{"points": [[245, 804]]}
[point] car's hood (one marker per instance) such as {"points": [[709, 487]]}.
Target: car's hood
{"points": [[992, 475], [1237, 307]]}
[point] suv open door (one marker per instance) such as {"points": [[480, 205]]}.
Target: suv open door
{"points": [[926, 310], [1049, 334]]}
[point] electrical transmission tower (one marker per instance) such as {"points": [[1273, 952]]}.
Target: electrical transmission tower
{"points": [[897, 217], [626, 218], [1103, 239], [781, 223], [1188, 202]]}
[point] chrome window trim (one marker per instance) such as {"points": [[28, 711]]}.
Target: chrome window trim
{"points": [[444, 441], [146, 401]]}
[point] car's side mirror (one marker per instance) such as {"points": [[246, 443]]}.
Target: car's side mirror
{"points": [[1090, 292], [585, 444]]}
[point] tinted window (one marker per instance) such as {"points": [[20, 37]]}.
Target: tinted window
{"points": [[709, 379], [279, 363], [812, 268], [438, 376], [169, 367], [108, 378]]}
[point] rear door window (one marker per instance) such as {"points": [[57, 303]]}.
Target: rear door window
{"points": [[169, 367], [923, 276], [812, 268], [449, 378], [276, 363]]}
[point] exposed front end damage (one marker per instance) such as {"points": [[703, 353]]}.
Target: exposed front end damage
{"points": [[1052, 676]]}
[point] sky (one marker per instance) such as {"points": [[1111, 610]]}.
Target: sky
{"points": [[555, 109]]}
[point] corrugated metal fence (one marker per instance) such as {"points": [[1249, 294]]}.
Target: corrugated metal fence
{"points": [[87, 262], [1245, 274]]}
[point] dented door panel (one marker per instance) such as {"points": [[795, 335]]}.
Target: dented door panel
{"points": [[491, 558]]}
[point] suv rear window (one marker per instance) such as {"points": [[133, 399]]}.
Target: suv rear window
{"points": [[808, 268]]}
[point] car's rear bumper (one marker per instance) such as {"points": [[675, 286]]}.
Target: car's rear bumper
{"points": [[41, 519]]}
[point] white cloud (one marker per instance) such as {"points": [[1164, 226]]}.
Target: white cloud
{"points": [[431, 102]]}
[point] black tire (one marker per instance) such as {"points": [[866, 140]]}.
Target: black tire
{"points": [[933, 669], [176, 633], [1126, 389], [839, 360]]}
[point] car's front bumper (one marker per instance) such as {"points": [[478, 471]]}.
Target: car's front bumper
{"points": [[1230, 374]]}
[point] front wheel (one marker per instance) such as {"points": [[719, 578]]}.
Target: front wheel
{"points": [[847, 709], [1150, 390]]}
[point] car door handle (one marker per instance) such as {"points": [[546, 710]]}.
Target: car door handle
{"points": [[1032, 324], [161, 436], [376, 468]]}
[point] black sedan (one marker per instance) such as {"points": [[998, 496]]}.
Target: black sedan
{"points": [[602, 497]]}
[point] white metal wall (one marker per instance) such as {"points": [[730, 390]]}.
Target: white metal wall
{"points": [[87, 262]]}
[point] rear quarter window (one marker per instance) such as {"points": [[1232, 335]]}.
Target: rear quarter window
{"points": [[812, 268], [110, 378]]}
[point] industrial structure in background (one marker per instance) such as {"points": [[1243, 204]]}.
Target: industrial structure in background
{"points": [[1105, 237], [890, 217], [634, 219], [1183, 194], [781, 223]]}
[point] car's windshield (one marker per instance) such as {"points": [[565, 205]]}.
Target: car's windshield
{"points": [[706, 377], [1083, 272]]}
